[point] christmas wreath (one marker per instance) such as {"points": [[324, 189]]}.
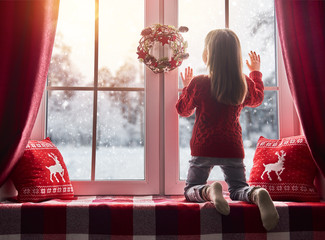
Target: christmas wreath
{"points": [[159, 35]]}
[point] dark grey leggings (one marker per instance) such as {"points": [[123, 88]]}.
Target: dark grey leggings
{"points": [[234, 173]]}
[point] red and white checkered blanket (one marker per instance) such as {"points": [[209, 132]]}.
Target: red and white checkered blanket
{"points": [[154, 217]]}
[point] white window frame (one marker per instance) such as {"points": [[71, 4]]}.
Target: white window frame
{"points": [[161, 124]]}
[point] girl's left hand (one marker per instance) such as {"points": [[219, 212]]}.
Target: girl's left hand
{"points": [[188, 76]]}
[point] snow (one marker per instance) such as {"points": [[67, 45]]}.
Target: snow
{"points": [[124, 163], [112, 163]]}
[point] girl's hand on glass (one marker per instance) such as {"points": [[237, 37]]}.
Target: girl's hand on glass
{"points": [[188, 76], [255, 64]]}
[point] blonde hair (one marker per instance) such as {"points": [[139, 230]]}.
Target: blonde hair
{"points": [[224, 62]]}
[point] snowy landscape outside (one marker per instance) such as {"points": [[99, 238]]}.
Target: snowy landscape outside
{"points": [[120, 142]]}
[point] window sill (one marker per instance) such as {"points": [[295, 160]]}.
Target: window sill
{"points": [[139, 216]]}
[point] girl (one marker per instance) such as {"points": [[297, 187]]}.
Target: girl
{"points": [[217, 135]]}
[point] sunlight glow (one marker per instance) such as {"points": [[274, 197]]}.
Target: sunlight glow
{"points": [[119, 32]]}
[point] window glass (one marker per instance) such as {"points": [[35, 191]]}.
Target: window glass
{"points": [[72, 62], [120, 125], [253, 22], [120, 135], [120, 25], [200, 17], [69, 125], [256, 122]]}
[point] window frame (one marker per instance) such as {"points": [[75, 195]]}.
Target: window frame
{"points": [[161, 122]]}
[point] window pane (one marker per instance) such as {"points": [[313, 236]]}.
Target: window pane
{"points": [[120, 25], [200, 17], [185, 134], [253, 22], [69, 125], [72, 62], [120, 135], [255, 122]]}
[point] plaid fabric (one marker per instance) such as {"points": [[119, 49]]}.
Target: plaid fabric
{"points": [[155, 217]]}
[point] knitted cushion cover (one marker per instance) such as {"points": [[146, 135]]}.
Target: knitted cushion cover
{"points": [[285, 168], [41, 173]]}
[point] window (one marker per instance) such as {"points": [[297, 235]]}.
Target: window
{"points": [[97, 94], [253, 22], [115, 121]]}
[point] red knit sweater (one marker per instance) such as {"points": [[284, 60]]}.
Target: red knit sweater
{"points": [[217, 131]]}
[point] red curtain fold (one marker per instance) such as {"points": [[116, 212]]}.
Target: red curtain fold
{"points": [[27, 31], [301, 26]]}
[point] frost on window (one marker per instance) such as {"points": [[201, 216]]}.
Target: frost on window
{"points": [[253, 22], [69, 125]]}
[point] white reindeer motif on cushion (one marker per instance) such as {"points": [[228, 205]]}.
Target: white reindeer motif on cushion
{"points": [[276, 167], [54, 169]]}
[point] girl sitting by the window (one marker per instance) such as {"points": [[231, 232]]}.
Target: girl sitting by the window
{"points": [[217, 135]]}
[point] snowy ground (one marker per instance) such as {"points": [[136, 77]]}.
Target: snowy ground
{"points": [[125, 163]]}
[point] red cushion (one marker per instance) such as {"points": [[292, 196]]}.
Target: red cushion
{"points": [[41, 173], [285, 168]]}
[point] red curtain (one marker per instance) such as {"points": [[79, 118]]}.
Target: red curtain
{"points": [[301, 26], [27, 31]]}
